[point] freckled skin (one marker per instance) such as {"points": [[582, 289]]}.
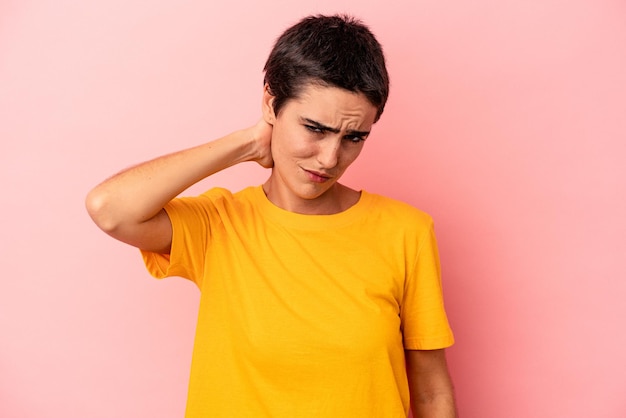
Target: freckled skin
{"points": [[315, 138]]}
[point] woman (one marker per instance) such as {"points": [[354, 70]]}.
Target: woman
{"points": [[317, 300]]}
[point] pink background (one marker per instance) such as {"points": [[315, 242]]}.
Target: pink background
{"points": [[507, 122]]}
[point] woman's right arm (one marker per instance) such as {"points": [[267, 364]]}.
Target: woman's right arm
{"points": [[129, 205]]}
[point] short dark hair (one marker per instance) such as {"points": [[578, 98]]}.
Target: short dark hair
{"points": [[338, 51]]}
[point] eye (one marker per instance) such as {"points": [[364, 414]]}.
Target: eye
{"points": [[314, 129], [354, 138]]}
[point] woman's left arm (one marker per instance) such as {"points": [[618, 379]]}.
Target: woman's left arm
{"points": [[432, 393]]}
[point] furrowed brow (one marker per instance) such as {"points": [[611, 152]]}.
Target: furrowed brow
{"points": [[323, 127], [358, 133]]}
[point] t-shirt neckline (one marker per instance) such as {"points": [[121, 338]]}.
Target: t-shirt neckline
{"points": [[313, 222]]}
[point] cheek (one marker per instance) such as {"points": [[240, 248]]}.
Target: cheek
{"points": [[290, 145], [350, 155], [302, 148]]}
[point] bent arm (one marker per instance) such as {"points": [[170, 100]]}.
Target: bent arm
{"points": [[432, 393], [129, 205]]}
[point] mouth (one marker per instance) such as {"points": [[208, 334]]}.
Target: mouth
{"points": [[316, 176]]}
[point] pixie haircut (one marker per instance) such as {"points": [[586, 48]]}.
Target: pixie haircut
{"points": [[330, 51]]}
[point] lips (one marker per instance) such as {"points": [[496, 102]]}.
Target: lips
{"points": [[317, 177]]}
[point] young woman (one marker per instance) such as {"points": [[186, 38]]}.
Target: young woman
{"points": [[317, 300]]}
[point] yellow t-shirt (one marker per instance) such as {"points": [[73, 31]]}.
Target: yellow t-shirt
{"points": [[304, 315]]}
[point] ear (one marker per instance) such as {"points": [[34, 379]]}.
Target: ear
{"points": [[268, 105]]}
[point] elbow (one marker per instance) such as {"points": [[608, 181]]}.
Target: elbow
{"points": [[98, 208]]}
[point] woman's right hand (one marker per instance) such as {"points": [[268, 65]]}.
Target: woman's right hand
{"points": [[262, 137]]}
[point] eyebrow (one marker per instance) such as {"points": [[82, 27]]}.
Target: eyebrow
{"points": [[333, 130]]}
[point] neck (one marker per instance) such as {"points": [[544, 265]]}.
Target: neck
{"points": [[335, 200]]}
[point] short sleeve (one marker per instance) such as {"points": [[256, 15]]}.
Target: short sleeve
{"points": [[190, 218], [424, 321]]}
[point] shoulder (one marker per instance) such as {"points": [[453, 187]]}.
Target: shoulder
{"points": [[220, 197], [211, 208], [202, 205], [224, 203], [217, 193], [399, 226], [398, 210]]}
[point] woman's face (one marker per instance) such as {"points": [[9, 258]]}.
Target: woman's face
{"points": [[315, 138]]}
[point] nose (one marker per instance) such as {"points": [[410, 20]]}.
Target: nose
{"points": [[328, 153]]}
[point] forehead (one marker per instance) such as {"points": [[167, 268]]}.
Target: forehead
{"points": [[332, 105]]}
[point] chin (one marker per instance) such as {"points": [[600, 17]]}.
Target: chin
{"points": [[317, 193]]}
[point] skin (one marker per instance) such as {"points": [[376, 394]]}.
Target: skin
{"points": [[315, 138], [308, 145], [430, 385]]}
